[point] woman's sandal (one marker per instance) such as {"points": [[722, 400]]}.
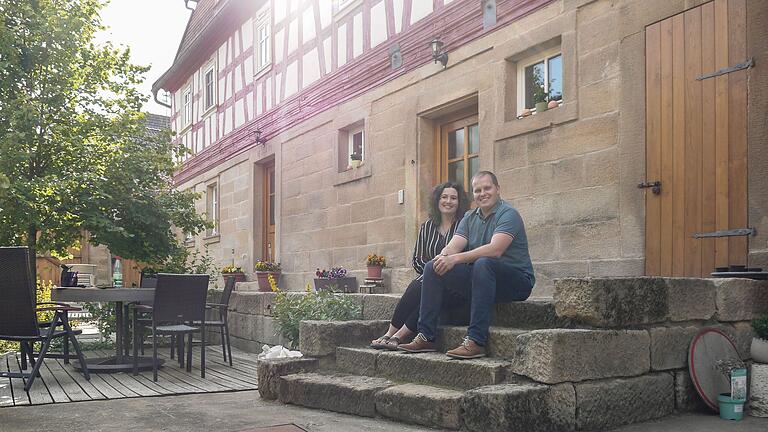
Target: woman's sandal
{"points": [[392, 343], [381, 343]]}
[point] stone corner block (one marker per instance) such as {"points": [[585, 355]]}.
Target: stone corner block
{"points": [[669, 346], [606, 404], [525, 407], [569, 355], [690, 299], [270, 370], [379, 306], [340, 393], [320, 338], [529, 314], [419, 404], [612, 302], [740, 299]]}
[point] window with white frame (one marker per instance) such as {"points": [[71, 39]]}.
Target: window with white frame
{"points": [[209, 86], [212, 208], [540, 79], [355, 145], [186, 104], [263, 42]]}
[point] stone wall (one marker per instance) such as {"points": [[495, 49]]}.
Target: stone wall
{"points": [[571, 171]]}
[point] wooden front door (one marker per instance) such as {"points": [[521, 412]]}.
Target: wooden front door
{"points": [[458, 153], [268, 251], [696, 140]]}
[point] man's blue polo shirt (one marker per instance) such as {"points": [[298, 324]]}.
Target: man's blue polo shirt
{"points": [[503, 219]]}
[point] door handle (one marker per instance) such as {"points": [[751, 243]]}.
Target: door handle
{"points": [[655, 186]]}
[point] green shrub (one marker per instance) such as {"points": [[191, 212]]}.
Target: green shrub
{"points": [[760, 326], [290, 309]]}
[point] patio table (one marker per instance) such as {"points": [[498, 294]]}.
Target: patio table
{"points": [[119, 362]]}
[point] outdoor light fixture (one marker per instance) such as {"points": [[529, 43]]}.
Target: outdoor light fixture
{"points": [[259, 139], [437, 54]]}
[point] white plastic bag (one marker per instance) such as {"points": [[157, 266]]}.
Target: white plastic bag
{"points": [[277, 351]]}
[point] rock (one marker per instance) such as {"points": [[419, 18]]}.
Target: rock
{"points": [[424, 405], [520, 407], [669, 346], [758, 390], [270, 370], [529, 314], [740, 299], [686, 396], [320, 338], [358, 361], [690, 299], [340, 393], [609, 403], [379, 306], [559, 355], [501, 341], [440, 370]]}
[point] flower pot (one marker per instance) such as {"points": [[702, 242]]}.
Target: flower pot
{"points": [[263, 279], [759, 350], [355, 163], [374, 272], [238, 276], [541, 106], [552, 104], [343, 285], [730, 408]]}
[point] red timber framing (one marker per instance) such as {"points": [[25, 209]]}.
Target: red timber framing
{"points": [[336, 83]]}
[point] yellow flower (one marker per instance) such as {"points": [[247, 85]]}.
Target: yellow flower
{"points": [[309, 288], [273, 283]]}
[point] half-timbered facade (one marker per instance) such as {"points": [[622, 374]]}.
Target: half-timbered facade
{"points": [[272, 98]]}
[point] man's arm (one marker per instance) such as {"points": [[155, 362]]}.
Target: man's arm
{"points": [[456, 245], [445, 262]]}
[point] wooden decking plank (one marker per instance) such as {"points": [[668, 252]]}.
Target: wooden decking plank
{"points": [[218, 376], [118, 385], [54, 388], [38, 394], [79, 378], [228, 373], [6, 390], [20, 397], [67, 383], [194, 379], [185, 388], [136, 386]]}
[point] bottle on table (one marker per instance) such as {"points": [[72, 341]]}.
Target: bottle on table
{"points": [[117, 274]]}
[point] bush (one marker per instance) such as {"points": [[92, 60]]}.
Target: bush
{"points": [[760, 326], [289, 310]]}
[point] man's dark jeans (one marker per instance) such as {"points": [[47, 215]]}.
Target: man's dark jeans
{"points": [[485, 282]]}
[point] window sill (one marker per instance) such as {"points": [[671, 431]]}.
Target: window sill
{"points": [[185, 129], [263, 71], [213, 238], [208, 111], [518, 126], [353, 174]]}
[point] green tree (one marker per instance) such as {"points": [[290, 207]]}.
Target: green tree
{"points": [[73, 143]]}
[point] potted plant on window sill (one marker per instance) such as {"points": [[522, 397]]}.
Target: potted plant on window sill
{"points": [[335, 280], [375, 263], [540, 95], [231, 271], [263, 270], [355, 160]]}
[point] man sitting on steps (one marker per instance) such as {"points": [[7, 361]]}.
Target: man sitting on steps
{"points": [[486, 262]]}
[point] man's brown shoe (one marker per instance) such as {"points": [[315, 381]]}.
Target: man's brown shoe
{"points": [[419, 344], [468, 349]]}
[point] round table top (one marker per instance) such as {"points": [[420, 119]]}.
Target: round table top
{"points": [[707, 347], [93, 294]]}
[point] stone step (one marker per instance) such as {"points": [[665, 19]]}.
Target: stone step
{"points": [[434, 369], [342, 393], [421, 404], [502, 341]]}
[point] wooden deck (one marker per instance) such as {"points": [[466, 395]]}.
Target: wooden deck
{"points": [[60, 383]]}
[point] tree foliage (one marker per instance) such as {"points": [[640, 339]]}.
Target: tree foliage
{"points": [[75, 153]]}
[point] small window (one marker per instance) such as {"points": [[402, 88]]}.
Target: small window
{"points": [[210, 88], [187, 106], [540, 79], [212, 208], [355, 146], [263, 43]]}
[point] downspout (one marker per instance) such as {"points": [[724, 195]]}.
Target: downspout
{"points": [[186, 4]]}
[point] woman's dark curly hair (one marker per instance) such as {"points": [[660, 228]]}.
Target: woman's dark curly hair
{"points": [[434, 201]]}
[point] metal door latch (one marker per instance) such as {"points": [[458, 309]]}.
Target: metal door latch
{"points": [[748, 63], [655, 186], [727, 233]]}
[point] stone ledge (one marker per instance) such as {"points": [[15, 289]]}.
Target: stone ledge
{"points": [[501, 341], [270, 370], [320, 338], [520, 407], [740, 299], [340, 393], [609, 403], [424, 405], [570, 355]]}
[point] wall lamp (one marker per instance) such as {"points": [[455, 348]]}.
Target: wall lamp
{"points": [[258, 138], [437, 52]]}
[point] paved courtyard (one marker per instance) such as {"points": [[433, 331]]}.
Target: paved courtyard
{"points": [[246, 411]]}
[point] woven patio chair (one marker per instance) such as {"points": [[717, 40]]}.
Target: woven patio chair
{"points": [[18, 315], [179, 302], [222, 307]]}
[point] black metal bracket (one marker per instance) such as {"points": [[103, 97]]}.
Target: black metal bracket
{"points": [[746, 65], [655, 186], [727, 233]]}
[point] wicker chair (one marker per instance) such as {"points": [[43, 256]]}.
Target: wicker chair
{"points": [[18, 315], [179, 302], [223, 323]]}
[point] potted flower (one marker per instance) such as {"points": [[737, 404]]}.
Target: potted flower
{"points": [[231, 271], [263, 270], [375, 263], [335, 280], [356, 159], [540, 95], [759, 348]]}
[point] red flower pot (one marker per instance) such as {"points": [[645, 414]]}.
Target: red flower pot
{"points": [[239, 276], [374, 272], [263, 278]]}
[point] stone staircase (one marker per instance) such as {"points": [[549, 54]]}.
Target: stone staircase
{"points": [[602, 353]]}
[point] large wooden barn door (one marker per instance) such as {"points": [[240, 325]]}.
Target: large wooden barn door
{"points": [[696, 140]]}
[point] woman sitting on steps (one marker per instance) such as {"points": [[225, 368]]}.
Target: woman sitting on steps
{"points": [[447, 205]]}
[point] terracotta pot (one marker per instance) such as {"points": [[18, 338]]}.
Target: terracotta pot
{"points": [[263, 278], [374, 272], [552, 104], [759, 350], [355, 163], [239, 276]]}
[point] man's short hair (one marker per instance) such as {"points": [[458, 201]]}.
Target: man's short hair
{"points": [[486, 173]]}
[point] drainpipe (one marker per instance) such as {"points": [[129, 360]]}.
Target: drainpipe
{"points": [[186, 4]]}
